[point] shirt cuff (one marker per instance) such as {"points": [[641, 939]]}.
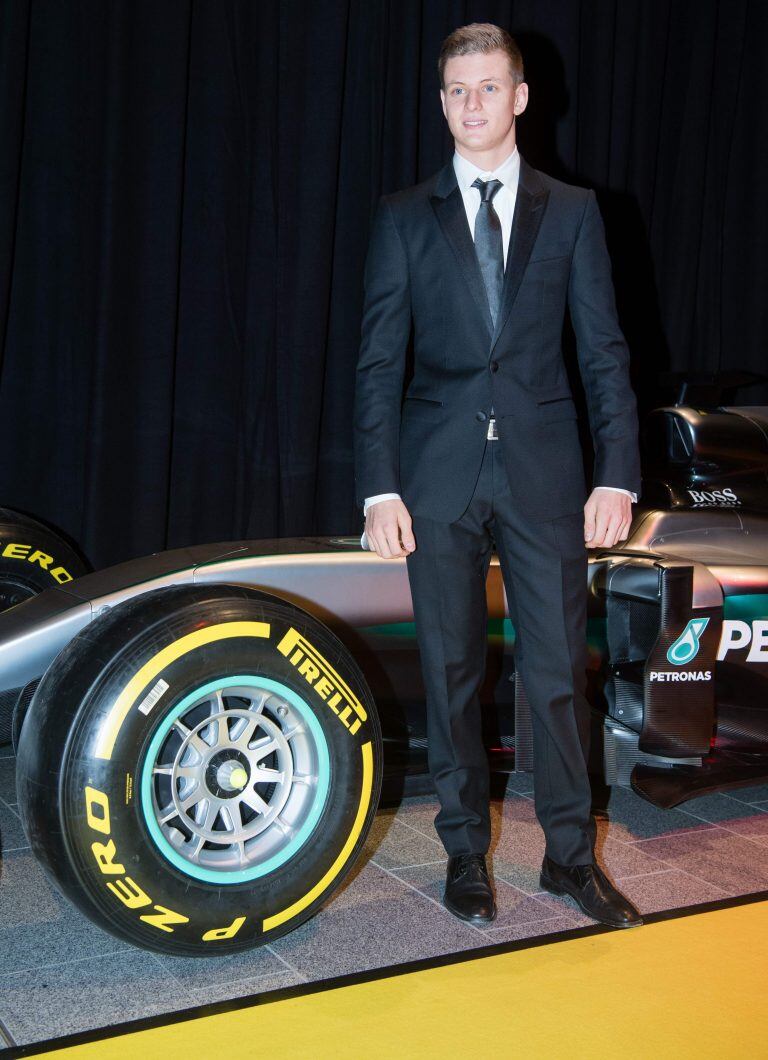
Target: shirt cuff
{"points": [[618, 489]]}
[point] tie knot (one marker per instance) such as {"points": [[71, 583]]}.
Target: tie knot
{"points": [[487, 188]]}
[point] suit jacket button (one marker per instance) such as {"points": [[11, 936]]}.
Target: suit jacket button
{"points": [[481, 416], [494, 366]]}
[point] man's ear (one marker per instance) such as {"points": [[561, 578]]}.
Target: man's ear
{"points": [[442, 101], [521, 97]]}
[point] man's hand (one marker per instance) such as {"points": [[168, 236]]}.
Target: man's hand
{"points": [[607, 515], [388, 529]]}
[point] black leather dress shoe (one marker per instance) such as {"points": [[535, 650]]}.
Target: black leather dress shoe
{"points": [[593, 891], [468, 893]]}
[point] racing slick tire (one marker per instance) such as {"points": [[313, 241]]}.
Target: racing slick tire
{"points": [[199, 768], [33, 557]]}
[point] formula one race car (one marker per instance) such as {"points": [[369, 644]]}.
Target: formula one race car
{"points": [[199, 750]]}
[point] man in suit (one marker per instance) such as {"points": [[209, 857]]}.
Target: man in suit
{"points": [[481, 260]]}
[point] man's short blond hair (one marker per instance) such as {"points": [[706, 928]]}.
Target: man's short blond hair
{"points": [[480, 37]]}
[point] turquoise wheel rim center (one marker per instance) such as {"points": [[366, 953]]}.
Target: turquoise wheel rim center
{"points": [[224, 833]]}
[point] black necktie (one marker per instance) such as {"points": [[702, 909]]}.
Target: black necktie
{"points": [[488, 244]]}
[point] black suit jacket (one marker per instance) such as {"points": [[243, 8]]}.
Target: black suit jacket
{"points": [[421, 272]]}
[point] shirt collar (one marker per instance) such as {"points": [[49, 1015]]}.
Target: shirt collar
{"points": [[466, 171]]}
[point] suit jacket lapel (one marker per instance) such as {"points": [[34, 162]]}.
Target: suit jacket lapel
{"points": [[531, 200], [449, 209]]}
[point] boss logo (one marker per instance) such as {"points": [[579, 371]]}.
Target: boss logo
{"points": [[723, 496]]}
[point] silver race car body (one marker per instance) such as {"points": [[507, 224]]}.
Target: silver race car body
{"points": [[678, 620]]}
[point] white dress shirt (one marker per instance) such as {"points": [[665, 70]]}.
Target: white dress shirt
{"points": [[504, 199], [504, 205]]}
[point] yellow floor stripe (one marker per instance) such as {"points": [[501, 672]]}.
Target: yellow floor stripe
{"points": [[691, 987]]}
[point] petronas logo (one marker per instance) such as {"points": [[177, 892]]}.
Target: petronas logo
{"points": [[687, 644]]}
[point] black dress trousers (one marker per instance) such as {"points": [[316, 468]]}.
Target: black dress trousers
{"points": [[544, 567]]}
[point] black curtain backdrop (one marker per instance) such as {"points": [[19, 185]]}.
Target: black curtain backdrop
{"points": [[186, 190]]}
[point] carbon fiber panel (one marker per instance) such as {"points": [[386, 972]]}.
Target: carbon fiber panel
{"points": [[679, 714], [621, 753]]}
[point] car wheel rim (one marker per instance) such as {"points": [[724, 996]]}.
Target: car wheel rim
{"points": [[13, 592], [235, 779]]}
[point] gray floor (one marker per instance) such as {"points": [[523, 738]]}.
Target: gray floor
{"points": [[59, 974]]}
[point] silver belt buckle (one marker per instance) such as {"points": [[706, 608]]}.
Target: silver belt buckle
{"points": [[492, 434]]}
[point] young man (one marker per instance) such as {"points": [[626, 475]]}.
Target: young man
{"points": [[482, 259]]}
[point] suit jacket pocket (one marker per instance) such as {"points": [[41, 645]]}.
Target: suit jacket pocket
{"points": [[554, 409], [560, 248]]}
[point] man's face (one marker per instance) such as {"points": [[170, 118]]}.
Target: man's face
{"points": [[480, 100]]}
